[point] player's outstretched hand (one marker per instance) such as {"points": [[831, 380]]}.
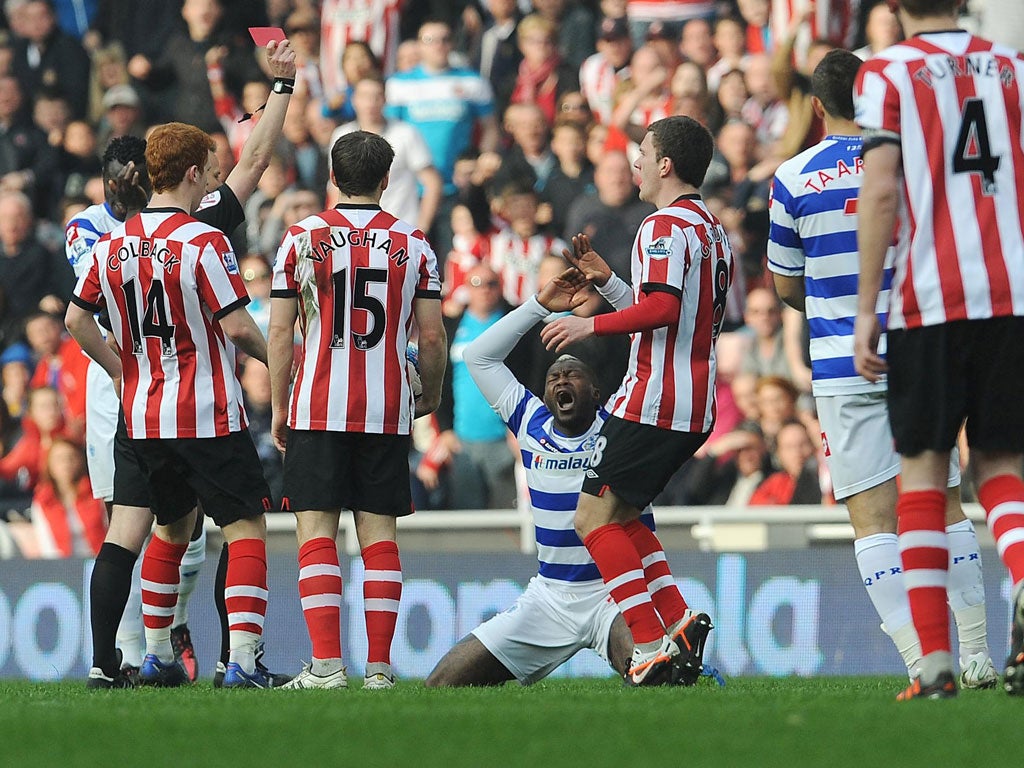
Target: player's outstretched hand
{"points": [[281, 59], [565, 331], [279, 431], [129, 196], [866, 360], [565, 292], [588, 261]]}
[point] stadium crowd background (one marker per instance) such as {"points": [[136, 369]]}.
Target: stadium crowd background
{"points": [[524, 120]]}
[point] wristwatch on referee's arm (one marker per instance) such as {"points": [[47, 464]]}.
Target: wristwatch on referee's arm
{"points": [[284, 85]]}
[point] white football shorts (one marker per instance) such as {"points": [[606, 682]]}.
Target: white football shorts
{"points": [[547, 626], [101, 409], [858, 443]]}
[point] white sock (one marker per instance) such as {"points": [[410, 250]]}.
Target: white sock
{"points": [[324, 667], [966, 588], [191, 564], [129, 631], [158, 641], [243, 649], [881, 571]]}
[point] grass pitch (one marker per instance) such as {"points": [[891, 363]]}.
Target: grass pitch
{"points": [[827, 722]]}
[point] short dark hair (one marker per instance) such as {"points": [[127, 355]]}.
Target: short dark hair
{"points": [[832, 82], [124, 150], [687, 143], [919, 8], [360, 161]]}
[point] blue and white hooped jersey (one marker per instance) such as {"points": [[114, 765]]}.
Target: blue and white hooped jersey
{"points": [[814, 234], [83, 231], [555, 466]]}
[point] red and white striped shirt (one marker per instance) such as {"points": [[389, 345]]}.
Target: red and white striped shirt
{"points": [[355, 271], [670, 381], [374, 22], [598, 81], [517, 262], [952, 101], [166, 279]]}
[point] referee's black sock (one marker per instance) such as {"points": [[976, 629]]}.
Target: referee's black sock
{"points": [[219, 583], [108, 593]]}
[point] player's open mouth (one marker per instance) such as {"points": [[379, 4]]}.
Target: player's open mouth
{"points": [[565, 399]]}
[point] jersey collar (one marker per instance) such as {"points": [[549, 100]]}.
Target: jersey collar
{"points": [[357, 207]]}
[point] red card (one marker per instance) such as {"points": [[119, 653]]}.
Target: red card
{"points": [[263, 35]]}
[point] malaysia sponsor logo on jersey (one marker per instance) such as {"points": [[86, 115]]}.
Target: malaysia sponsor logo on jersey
{"points": [[659, 249], [561, 462]]}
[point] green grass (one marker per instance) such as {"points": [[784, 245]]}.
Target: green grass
{"points": [[828, 722]]}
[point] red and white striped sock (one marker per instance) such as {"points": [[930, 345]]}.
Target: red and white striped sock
{"points": [[160, 574], [320, 593], [382, 593], [623, 573], [921, 517], [1003, 500], [245, 595], [668, 600]]}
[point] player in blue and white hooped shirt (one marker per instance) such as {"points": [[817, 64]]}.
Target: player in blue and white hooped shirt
{"points": [[812, 252], [566, 607]]}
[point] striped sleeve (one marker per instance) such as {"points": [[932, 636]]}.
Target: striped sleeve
{"points": [[219, 284], [428, 284], [663, 254], [876, 101], [284, 285], [785, 248]]}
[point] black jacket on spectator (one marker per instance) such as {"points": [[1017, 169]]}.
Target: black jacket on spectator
{"points": [[140, 26], [611, 230], [25, 278], [23, 147], [63, 66], [181, 73]]}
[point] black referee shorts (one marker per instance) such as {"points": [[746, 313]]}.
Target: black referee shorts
{"points": [[941, 375]]}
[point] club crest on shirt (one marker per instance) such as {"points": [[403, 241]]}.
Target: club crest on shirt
{"points": [[230, 262], [659, 249]]}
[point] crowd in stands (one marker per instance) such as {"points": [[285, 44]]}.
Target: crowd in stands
{"points": [[515, 125]]}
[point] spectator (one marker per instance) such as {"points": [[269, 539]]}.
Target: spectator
{"points": [[730, 43], [50, 115], [109, 68], [764, 110], [27, 161], [78, 159], [602, 72], [642, 99], [472, 434], [67, 520], [303, 30], [31, 277], [255, 273], [793, 84], [122, 115], [518, 249], [60, 365], [776, 405], [797, 481], [744, 395], [357, 63], [43, 420], [46, 57], [413, 167], [15, 374], [530, 161], [447, 105], [763, 319], [611, 214], [756, 14], [572, 106], [179, 74], [882, 29], [495, 53], [469, 248], [543, 76], [732, 468], [697, 43], [574, 25], [374, 22], [689, 89], [573, 177], [644, 13]]}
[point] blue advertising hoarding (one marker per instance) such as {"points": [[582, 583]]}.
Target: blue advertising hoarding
{"points": [[800, 612]]}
